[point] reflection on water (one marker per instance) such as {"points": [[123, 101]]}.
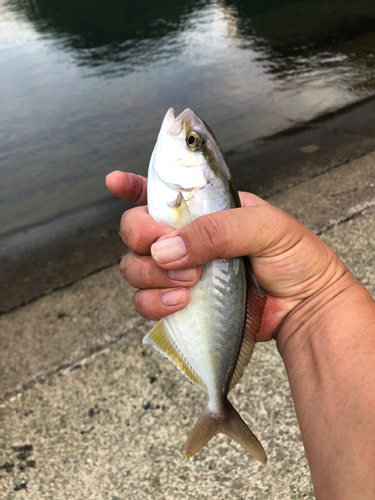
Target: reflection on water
{"points": [[114, 36], [313, 42], [85, 84]]}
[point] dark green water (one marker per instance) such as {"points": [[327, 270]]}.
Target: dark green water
{"points": [[84, 84]]}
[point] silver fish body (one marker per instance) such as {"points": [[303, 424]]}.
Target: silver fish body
{"points": [[207, 341]]}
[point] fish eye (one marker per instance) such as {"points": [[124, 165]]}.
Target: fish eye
{"points": [[195, 139]]}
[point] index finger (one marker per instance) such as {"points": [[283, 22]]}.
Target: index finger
{"points": [[127, 186], [139, 230], [251, 200]]}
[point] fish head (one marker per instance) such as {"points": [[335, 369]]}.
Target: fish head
{"points": [[187, 155]]}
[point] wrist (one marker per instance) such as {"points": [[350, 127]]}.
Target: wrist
{"points": [[327, 345], [316, 313]]}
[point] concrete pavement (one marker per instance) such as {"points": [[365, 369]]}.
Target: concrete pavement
{"points": [[89, 413]]}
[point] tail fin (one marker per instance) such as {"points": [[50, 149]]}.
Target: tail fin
{"points": [[231, 424]]}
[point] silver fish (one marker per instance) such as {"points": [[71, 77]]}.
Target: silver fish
{"points": [[212, 339]]}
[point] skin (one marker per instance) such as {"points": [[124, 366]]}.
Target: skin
{"points": [[323, 319]]}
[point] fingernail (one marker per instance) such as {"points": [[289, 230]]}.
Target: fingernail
{"points": [[182, 274], [169, 250], [173, 297]]}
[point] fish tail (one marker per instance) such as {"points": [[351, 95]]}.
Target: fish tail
{"points": [[229, 423]]}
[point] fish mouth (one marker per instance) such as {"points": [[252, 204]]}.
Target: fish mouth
{"points": [[173, 124]]}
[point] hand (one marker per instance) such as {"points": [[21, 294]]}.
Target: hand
{"points": [[324, 319], [290, 262]]}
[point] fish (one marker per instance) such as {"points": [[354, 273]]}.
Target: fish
{"points": [[212, 339]]}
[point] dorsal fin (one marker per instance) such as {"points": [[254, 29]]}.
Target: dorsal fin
{"points": [[160, 339], [256, 300]]}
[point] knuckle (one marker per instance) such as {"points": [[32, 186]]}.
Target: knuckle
{"points": [[135, 301], [137, 270], [147, 275], [129, 231], [124, 217], [279, 230], [125, 267], [271, 215], [210, 233], [141, 304], [138, 301], [124, 227], [135, 238]]}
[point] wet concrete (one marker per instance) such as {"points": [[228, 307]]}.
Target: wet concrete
{"points": [[56, 253], [39, 259], [304, 151]]}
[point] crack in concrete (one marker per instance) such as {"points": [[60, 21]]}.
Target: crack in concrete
{"points": [[352, 213], [66, 368]]}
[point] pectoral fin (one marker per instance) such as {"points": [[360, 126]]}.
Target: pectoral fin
{"points": [[160, 339], [180, 214], [256, 301]]}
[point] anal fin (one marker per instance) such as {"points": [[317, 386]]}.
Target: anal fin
{"points": [[256, 301], [160, 339]]}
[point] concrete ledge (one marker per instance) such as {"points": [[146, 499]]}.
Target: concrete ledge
{"points": [[333, 197], [55, 253], [58, 252]]}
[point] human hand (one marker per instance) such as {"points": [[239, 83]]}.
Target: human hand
{"points": [[323, 317], [290, 262]]}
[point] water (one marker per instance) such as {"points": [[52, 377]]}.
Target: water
{"points": [[84, 84]]}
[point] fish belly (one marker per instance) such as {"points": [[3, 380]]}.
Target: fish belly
{"points": [[208, 332]]}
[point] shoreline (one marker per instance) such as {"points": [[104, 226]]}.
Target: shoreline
{"points": [[57, 252]]}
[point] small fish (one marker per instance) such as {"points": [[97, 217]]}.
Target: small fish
{"points": [[212, 339]]}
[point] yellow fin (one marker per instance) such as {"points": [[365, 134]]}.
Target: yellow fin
{"points": [[229, 423], [256, 301], [180, 212], [160, 339]]}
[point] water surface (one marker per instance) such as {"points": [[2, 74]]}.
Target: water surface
{"points": [[84, 84]]}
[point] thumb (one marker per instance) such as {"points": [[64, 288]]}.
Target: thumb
{"points": [[250, 230]]}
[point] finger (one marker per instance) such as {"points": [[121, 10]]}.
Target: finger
{"points": [[127, 186], [139, 230], [156, 304], [140, 271], [251, 200], [228, 234]]}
